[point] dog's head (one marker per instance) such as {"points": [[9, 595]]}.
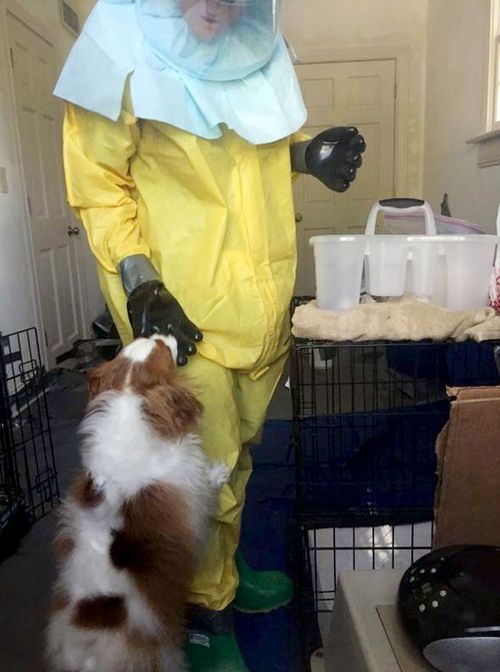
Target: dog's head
{"points": [[147, 368]]}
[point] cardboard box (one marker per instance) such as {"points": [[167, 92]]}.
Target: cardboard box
{"points": [[467, 504]]}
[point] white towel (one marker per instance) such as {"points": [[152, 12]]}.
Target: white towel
{"points": [[404, 320]]}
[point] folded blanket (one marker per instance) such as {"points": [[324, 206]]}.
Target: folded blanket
{"points": [[404, 320]]}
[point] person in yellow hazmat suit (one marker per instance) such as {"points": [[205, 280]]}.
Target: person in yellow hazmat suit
{"points": [[180, 139]]}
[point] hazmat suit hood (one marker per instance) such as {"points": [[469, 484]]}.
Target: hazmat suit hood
{"points": [[194, 64], [212, 39]]}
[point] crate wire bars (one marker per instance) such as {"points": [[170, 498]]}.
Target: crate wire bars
{"points": [[28, 476], [366, 417]]}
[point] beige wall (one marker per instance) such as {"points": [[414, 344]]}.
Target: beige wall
{"points": [[361, 26], [337, 22], [457, 61]]}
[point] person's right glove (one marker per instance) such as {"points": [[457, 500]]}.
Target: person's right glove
{"points": [[153, 310]]}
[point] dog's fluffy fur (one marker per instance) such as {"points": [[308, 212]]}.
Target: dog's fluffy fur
{"points": [[135, 521]]}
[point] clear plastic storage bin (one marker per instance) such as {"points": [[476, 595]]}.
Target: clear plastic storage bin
{"points": [[453, 271]]}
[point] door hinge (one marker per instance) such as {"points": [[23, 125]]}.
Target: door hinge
{"points": [[46, 338], [29, 205], [11, 57], [395, 90]]}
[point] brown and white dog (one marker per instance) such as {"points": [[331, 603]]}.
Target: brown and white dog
{"points": [[135, 521]]}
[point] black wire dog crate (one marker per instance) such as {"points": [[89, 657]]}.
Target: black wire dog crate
{"points": [[366, 419], [28, 476]]}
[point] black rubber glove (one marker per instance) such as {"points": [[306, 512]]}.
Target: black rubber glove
{"points": [[153, 310], [334, 156]]}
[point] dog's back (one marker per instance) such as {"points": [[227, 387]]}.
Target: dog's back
{"points": [[134, 521]]}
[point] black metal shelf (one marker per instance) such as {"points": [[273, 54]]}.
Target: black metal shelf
{"points": [[366, 416]]}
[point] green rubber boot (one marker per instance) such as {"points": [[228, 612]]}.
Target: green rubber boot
{"points": [[214, 653], [261, 592], [212, 645]]}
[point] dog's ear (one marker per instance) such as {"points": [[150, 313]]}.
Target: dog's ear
{"points": [[108, 376], [172, 408]]}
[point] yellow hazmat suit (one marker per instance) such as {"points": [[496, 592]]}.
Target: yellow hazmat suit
{"points": [[216, 219]]}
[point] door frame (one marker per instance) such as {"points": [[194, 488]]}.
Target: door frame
{"points": [[6, 7], [400, 53], [21, 14]]}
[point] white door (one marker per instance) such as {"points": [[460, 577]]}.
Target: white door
{"points": [[54, 231], [337, 94]]}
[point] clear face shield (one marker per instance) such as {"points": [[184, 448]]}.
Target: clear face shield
{"points": [[212, 39]]}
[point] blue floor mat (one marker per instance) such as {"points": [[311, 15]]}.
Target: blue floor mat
{"points": [[269, 642]]}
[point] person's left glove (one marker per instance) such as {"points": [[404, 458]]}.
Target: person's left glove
{"points": [[333, 156], [153, 310]]}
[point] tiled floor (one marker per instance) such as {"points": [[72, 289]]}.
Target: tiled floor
{"points": [[25, 578]]}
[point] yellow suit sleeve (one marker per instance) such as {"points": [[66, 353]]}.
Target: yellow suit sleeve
{"points": [[97, 155]]}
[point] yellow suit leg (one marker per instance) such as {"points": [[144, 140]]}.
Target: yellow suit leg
{"points": [[235, 408]]}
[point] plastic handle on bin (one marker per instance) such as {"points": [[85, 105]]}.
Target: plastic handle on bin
{"points": [[402, 203], [396, 206]]}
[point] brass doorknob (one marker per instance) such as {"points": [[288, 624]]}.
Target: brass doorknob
{"points": [[298, 217], [73, 231]]}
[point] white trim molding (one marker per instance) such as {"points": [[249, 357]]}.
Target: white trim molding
{"points": [[488, 148], [488, 142], [14, 9], [11, 8]]}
